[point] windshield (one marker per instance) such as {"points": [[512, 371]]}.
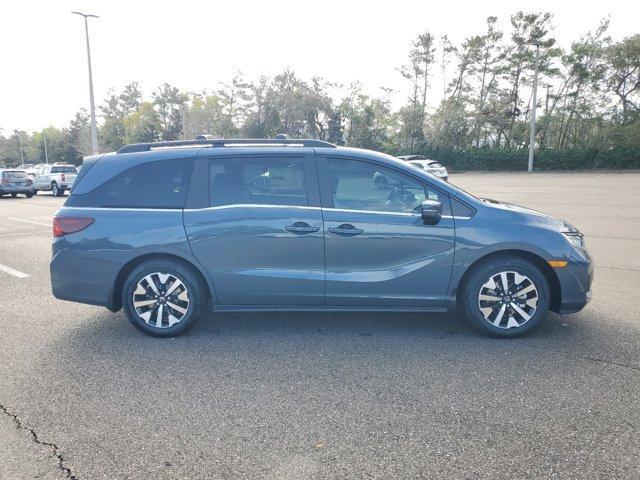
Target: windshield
{"points": [[15, 175], [69, 169]]}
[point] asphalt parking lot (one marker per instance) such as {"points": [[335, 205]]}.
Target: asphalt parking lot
{"points": [[301, 396]]}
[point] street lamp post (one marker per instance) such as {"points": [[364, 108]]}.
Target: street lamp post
{"points": [[46, 152], [532, 133], [94, 129]]}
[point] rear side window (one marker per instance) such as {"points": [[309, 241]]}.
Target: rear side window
{"points": [[17, 175], [159, 184], [262, 181], [63, 169]]}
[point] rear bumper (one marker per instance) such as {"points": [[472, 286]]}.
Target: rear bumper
{"points": [[82, 280], [4, 190]]}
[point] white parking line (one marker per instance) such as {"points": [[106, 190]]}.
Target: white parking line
{"points": [[11, 271], [29, 221], [15, 234]]}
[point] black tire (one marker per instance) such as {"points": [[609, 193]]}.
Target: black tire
{"points": [[196, 291], [482, 273], [14, 195], [29, 194], [55, 190]]}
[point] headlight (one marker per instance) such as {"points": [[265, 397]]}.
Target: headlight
{"points": [[576, 238]]}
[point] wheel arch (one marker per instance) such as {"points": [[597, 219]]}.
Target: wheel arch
{"points": [[127, 268], [546, 269]]}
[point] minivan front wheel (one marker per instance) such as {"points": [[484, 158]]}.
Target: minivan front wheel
{"points": [[162, 298], [506, 296]]}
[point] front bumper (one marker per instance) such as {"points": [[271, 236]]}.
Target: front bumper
{"points": [[575, 284]]}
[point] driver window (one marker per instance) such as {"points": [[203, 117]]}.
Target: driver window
{"points": [[358, 185]]}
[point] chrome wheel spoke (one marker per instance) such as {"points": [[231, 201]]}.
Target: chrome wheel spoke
{"points": [[520, 311], [152, 284], [159, 316], [525, 290], [498, 318], [144, 303], [177, 283], [505, 281], [489, 298], [512, 323], [177, 308]]}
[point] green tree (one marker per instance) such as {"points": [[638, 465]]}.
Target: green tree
{"points": [[143, 125], [623, 59], [170, 106]]}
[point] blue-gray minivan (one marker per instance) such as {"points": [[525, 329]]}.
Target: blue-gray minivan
{"points": [[168, 230]]}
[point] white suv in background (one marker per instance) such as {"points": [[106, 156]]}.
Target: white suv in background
{"points": [[56, 177], [429, 166]]}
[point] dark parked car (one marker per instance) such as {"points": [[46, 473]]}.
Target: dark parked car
{"points": [[165, 229], [15, 182]]}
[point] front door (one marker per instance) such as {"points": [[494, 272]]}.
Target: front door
{"points": [[378, 250], [261, 236], [41, 180]]}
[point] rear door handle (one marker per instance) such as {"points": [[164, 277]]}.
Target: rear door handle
{"points": [[301, 228], [346, 230]]}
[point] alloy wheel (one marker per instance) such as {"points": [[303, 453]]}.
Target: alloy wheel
{"points": [[508, 299], [161, 300]]}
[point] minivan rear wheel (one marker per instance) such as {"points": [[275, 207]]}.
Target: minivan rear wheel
{"points": [[506, 296], [162, 298]]}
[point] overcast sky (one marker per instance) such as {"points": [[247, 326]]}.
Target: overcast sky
{"points": [[194, 45]]}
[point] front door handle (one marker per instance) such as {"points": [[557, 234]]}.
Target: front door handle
{"points": [[301, 228], [346, 230]]}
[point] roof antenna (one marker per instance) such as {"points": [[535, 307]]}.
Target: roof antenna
{"points": [[282, 136]]}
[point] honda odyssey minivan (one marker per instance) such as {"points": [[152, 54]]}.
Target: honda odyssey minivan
{"points": [[169, 230]]}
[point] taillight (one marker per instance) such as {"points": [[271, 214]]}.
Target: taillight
{"points": [[29, 182], [65, 225], [62, 178]]}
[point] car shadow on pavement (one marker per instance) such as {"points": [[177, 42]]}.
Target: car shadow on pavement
{"points": [[240, 333], [254, 337]]}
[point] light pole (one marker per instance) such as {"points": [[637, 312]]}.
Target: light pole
{"points": [[46, 152], [94, 129], [21, 147], [532, 133]]}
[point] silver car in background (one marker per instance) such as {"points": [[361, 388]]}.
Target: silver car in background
{"points": [[429, 166]]}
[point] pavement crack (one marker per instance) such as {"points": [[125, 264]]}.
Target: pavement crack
{"points": [[609, 362], [34, 435]]}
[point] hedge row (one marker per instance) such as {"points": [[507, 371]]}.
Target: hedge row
{"points": [[548, 159]]}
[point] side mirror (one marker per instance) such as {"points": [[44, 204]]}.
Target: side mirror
{"points": [[431, 212]]}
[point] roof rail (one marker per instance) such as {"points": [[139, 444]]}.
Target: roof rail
{"points": [[206, 141]]}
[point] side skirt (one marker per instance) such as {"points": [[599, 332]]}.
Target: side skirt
{"points": [[297, 308]]}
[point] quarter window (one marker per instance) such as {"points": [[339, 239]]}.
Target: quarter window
{"points": [[159, 184], [262, 181], [64, 170], [358, 185]]}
